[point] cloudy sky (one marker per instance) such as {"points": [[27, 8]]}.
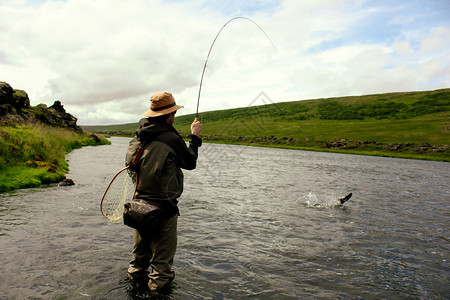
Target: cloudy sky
{"points": [[103, 59]]}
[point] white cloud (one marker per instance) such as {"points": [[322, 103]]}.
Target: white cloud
{"points": [[103, 59], [436, 41]]}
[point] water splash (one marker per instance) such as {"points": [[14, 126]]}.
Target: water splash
{"points": [[312, 200]]}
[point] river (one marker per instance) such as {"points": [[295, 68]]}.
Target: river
{"points": [[256, 223]]}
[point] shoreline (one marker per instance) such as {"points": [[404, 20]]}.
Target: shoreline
{"points": [[34, 155], [442, 156], [354, 151]]}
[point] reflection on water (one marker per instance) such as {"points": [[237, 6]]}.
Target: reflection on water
{"points": [[255, 222]]}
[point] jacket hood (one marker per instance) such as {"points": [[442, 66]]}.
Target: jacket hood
{"points": [[148, 131]]}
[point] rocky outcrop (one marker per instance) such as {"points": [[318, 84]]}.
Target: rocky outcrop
{"points": [[12, 102], [56, 116], [15, 109]]}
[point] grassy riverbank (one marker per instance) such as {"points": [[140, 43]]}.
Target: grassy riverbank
{"points": [[406, 125], [31, 155]]}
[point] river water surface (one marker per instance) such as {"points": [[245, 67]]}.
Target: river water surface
{"points": [[256, 223]]}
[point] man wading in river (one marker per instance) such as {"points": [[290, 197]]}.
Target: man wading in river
{"points": [[161, 184]]}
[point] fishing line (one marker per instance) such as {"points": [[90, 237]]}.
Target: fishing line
{"points": [[212, 45]]}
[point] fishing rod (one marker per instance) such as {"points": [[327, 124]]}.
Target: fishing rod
{"points": [[212, 45]]}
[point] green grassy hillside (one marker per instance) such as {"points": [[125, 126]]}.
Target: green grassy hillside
{"points": [[410, 124]]}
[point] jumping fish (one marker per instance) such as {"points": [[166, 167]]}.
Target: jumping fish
{"points": [[345, 199]]}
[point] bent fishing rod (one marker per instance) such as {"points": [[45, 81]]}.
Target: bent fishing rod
{"points": [[212, 45]]}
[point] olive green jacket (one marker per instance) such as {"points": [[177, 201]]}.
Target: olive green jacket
{"points": [[165, 154]]}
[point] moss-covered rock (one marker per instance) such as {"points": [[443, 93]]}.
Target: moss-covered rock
{"points": [[15, 109]]}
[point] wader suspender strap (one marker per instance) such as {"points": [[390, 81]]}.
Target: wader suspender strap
{"points": [[138, 155]]}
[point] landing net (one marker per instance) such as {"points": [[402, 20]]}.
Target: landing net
{"points": [[121, 190]]}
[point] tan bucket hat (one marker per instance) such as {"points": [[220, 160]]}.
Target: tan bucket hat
{"points": [[162, 103]]}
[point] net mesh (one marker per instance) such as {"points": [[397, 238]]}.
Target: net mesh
{"points": [[120, 191]]}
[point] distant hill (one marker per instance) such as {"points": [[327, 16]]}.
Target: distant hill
{"points": [[117, 130], [408, 124]]}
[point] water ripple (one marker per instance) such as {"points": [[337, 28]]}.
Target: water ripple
{"points": [[262, 223]]}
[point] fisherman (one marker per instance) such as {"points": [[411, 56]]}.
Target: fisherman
{"points": [[161, 184]]}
